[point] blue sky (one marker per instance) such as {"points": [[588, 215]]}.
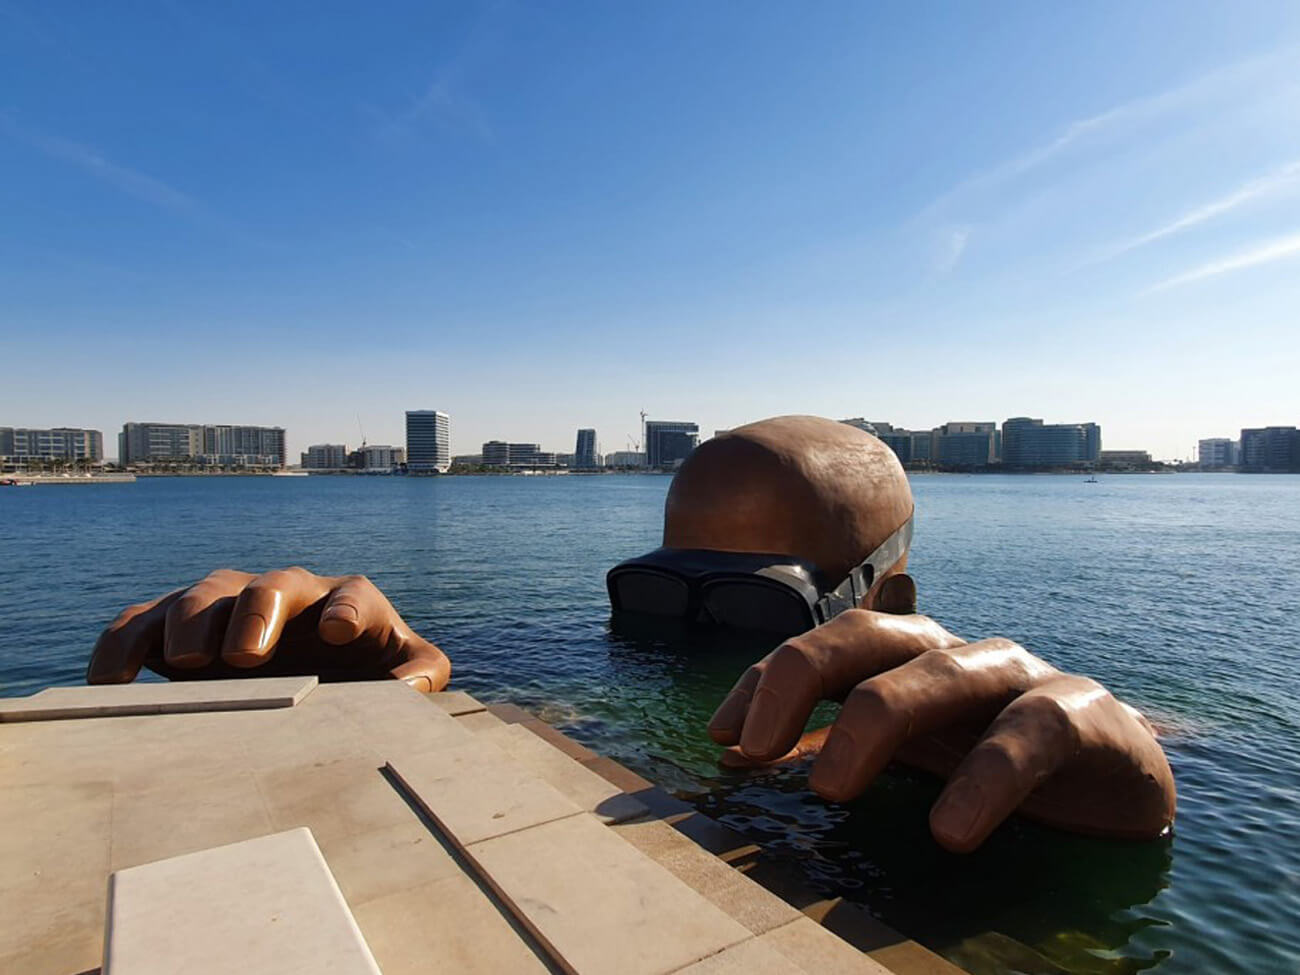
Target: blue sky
{"points": [[550, 215]]}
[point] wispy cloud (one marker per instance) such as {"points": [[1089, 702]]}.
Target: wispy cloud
{"points": [[132, 182], [1137, 110], [1274, 250], [952, 246], [1280, 180], [129, 181]]}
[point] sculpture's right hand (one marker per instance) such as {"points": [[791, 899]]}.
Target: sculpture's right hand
{"points": [[289, 621]]}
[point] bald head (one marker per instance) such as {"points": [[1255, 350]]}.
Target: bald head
{"points": [[791, 485]]}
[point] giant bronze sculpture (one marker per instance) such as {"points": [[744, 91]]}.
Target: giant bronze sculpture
{"points": [[796, 525]]}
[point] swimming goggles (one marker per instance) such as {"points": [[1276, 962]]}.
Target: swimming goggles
{"points": [[777, 593]]}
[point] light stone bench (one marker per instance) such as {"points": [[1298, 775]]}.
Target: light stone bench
{"points": [[257, 907], [180, 697]]}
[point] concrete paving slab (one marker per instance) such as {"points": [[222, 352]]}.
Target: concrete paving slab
{"points": [[814, 949], [456, 702], [591, 792], [334, 799], [380, 862], [728, 888], [598, 903], [475, 790], [446, 926], [110, 700], [166, 821], [750, 957], [260, 906], [54, 853], [479, 721]]}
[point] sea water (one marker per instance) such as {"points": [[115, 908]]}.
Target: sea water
{"points": [[1181, 593]]}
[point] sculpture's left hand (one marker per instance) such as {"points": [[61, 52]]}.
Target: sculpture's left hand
{"points": [[1008, 731], [289, 621]]}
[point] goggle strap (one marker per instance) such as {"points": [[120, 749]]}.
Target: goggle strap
{"points": [[857, 583]]}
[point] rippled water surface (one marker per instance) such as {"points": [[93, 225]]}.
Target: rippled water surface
{"points": [[1181, 593]]}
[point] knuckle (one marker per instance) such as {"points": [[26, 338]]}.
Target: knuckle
{"points": [[1046, 716], [941, 663], [273, 580], [877, 701]]}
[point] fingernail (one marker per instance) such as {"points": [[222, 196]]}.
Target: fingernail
{"points": [[839, 751], [831, 771], [958, 813], [342, 611], [248, 633], [760, 729]]}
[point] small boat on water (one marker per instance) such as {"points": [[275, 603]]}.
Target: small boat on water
{"points": [[290, 474], [1091, 480], [14, 482]]}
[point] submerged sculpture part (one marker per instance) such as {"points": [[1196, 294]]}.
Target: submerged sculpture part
{"points": [[798, 524]]}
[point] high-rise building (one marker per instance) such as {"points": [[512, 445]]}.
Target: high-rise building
{"points": [[1029, 442], [584, 454], [967, 445], [143, 443], [377, 458], [428, 441], [325, 457], [900, 442], [873, 427], [1217, 453], [1125, 460], [625, 458], [669, 442], [23, 444], [223, 445], [922, 446], [498, 453], [1270, 450]]}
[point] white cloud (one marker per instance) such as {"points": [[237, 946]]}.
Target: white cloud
{"points": [[951, 247], [1274, 250], [1140, 109], [1282, 179], [130, 181]]}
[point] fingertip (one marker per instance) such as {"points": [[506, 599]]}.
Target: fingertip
{"points": [[766, 734], [340, 623], [246, 638], [428, 669], [961, 818], [727, 721], [836, 775]]}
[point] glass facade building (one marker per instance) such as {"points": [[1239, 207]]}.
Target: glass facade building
{"points": [[428, 441], [669, 442], [1028, 442], [21, 444], [213, 444], [584, 454], [1270, 450]]}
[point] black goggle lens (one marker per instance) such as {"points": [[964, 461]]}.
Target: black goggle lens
{"points": [[658, 594], [746, 604]]}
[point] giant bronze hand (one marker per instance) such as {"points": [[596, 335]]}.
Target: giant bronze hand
{"points": [[1009, 732], [289, 621]]}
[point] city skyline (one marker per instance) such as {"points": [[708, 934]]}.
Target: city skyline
{"points": [[1074, 211], [286, 446]]}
